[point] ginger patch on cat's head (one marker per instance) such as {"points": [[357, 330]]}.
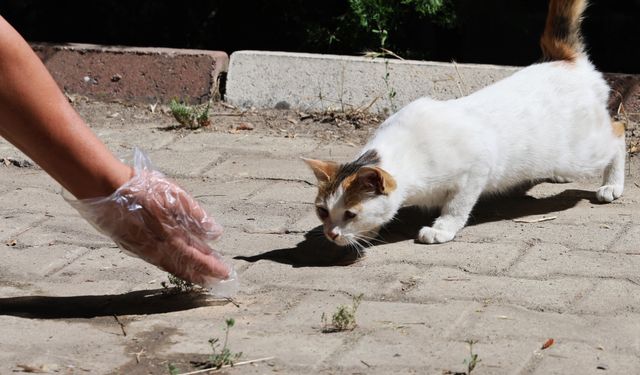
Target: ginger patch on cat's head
{"points": [[358, 180], [366, 183]]}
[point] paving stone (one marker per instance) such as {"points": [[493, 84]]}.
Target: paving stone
{"points": [[472, 257], [70, 345], [263, 168], [37, 200], [611, 296], [297, 192], [381, 279], [545, 260], [242, 143], [509, 285], [581, 358], [439, 283], [123, 139], [65, 229], [183, 163], [35, 262], [616, 333], [629, 241]]}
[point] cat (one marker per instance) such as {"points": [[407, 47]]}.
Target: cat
{"points": [[548, 120]]}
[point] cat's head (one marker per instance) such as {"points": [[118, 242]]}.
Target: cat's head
{"points": [[353, 199]]}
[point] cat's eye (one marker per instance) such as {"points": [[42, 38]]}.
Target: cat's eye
{"points": [[322, 212], [348, 215]]}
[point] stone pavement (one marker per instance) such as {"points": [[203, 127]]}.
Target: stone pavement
{"points": [[71, 302]]}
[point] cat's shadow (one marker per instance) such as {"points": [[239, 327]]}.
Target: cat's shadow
{"points": [[142, 302], [316, 251]]}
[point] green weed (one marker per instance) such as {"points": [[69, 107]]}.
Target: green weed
{"points": [[221, 356], [192, 117], [173, 369], [177, 285], [344, 319]]}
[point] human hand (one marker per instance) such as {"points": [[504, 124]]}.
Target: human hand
{"points": [[153, 218]]}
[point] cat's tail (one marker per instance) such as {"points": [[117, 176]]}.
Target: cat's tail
{"points": [[562, 39]]}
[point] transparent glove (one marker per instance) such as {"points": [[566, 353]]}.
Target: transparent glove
{"points": [[153, 218]]}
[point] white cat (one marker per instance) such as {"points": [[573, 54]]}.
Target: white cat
{"points": [[549, 120]]}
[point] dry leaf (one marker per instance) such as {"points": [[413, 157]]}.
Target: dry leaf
{"points": [[245, 126], [12, 242], [547, 344], [292, 120], [227, 105], [33, 369], [538, 220]]}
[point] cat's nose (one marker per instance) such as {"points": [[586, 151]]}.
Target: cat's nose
{"points": [[333, 234]]}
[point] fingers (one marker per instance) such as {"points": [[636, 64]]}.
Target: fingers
{"points": [[192, 264], [199, 221]]}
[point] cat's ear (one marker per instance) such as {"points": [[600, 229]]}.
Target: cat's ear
{"points": [[324, 170], [376, 180]]}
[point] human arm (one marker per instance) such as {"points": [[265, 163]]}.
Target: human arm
{"points": [[37, 118]]}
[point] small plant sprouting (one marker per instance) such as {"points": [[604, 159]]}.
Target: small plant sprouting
{"points": [[192, 117], [173, 369], [177, 285], [473, 360], [391, 92], [221, 356], [344, 319]]}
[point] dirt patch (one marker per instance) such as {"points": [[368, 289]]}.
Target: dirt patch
{"points": [[348, 127], [352, 127], [145, 359]]}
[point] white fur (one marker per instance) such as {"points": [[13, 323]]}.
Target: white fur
{"points": [[547, 120]]}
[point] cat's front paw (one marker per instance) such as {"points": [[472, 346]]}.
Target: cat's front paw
{"points": [[608, 193], [431, 235]]}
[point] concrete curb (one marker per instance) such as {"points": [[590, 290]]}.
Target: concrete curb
{"points": [[328, 82], [145, 75], [264, 79]]}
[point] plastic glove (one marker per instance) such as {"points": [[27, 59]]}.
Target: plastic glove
{"points": [[153, 218]]}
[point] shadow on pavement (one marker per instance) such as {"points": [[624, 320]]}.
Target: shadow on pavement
{"points": [[144, 302], [316, 251]]}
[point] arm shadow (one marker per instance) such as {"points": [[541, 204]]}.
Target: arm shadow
{"points": [[316, 251], [143, 302]]}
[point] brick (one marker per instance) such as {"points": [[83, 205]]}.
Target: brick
{"points": [[135, 74]]}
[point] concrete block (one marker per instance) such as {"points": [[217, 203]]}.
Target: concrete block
{"points": [[321, 82], [134, 74]]}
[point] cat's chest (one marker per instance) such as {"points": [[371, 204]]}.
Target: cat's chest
{"points": [[431, 196]]}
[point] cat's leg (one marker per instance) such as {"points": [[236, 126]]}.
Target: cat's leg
{"points": [[613, 180], [455, 212]]}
